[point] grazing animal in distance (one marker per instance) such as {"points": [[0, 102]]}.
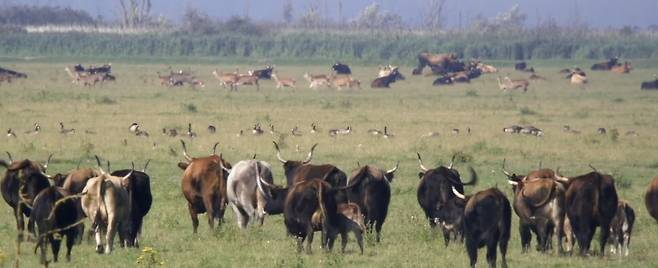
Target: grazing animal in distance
{"points": [[508, 83], [284, 82]]}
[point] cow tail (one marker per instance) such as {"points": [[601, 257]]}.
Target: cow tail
{"points": [[546, 200], [101, 200], [323, 209]]}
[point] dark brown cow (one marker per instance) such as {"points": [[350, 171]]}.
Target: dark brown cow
{"points": [[591, 201], [139, 192], [605, 66], [22, 182], [297, 171], [487, 222], [439, 63], [371, 190], [437, 200], [651, 198], [539, 203], [204, 186]]}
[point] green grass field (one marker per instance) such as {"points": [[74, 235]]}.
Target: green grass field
{"points": [[410, 109]]}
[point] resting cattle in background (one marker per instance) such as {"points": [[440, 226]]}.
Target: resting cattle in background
{"points": [[621, 228], [487, 222], [371, 190], [591, 201], [138, 185], [297, 171], [520, 66], [439, 63], [341, 68], [22, 182], [107, 204], [386, 81], [651, 198], [605, 66], [622, 68], [8, 75], [263, 73], [438, 201], [539, 203], [55, 214], [243, 192], [204, 186], [649, 84]]}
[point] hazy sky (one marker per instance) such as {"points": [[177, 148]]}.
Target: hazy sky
{"points": [[597, 13]]}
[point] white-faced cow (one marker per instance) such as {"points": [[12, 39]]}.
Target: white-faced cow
{"points": [[204, 186], [243, 193], [487, 222], [438, 201], [22, 182]]}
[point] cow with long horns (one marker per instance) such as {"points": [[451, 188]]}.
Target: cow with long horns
{"points": [[138, 185], [204, 186], [297, 171], [440, 204], [22, 182], [243, 193]]}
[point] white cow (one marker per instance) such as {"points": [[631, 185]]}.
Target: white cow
{"points": [[242, 191]]}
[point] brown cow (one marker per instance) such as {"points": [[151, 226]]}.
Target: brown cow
{"points": [[204, 186], [622, 68], [297, 171], [651, 198]]}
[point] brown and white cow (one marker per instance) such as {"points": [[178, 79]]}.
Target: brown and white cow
{"points": [[204, 186]]}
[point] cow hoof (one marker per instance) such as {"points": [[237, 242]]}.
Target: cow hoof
{"points": [[99, 249]]}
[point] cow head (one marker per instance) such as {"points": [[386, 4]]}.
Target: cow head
{"points": [[391, 172], [26, 168], [290, 166]]}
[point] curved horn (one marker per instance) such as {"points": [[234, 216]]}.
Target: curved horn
{"points": [[108, 166], [260, 182], [124, 178], [221, 164], [146, 165], [132, 164], [559, 177], [214, 148], [45, 166], [187, 157], [420, 163], [512, 182], [458, 194], [253, 157], [397, 165], [11, 160], [310, 155], [100, 166], [504, 170], [278, 153], [452, 161], [592, 167]]}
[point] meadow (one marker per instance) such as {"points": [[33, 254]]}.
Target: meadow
{"points": [[410, 109]]}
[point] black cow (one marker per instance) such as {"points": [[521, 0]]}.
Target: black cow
{"points": [[105, 69], [56, 214], [12, 73], [341, 68], [605, 66], [487, 222], [263, 73], [371, 190], [22, 182], [649, 84], [437, 200], [591, 201], [297, 171], [443, 80], [139, 191], [520, 66]]}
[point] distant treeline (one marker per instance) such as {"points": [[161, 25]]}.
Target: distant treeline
{"points": [[367, 47]]}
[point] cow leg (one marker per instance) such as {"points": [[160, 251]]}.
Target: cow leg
{"points": [[502, 244], [605, 234], [194, 216], [491, 250], [43, 248], [70, 241], [446, 236], [300, 244], [343, 241], [99, 239], [526, 237], [55, 244], [20, 224], [109, 236], [309, 239], [359, 239], [378, 229], [472, 247]]}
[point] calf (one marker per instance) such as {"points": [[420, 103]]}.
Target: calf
{"points": [[107, 204], [22, 181], [621, 228], [55, 214], [487, 222], [242, 190], [204, 186], [138, 185], [350, 219]]}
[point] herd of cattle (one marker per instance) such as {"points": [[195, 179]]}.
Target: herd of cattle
{"points": [[449, 68], [321, 198]]}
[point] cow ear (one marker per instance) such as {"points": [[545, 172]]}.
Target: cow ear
{"points": [[183, 165], [421, 174]]}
